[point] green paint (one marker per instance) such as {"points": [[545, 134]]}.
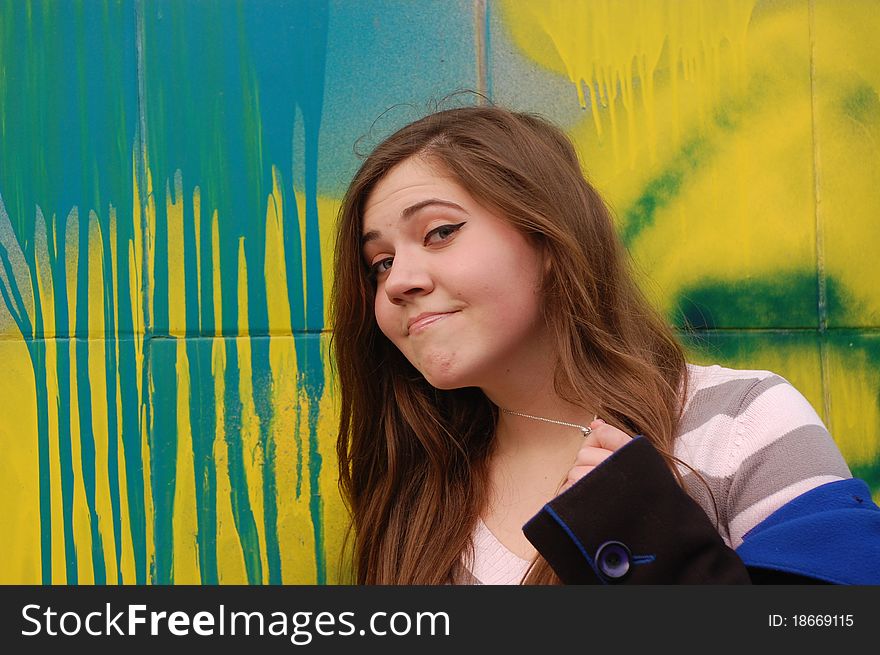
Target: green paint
{"points": [[661, 189], [862, 104], [788, 300]]}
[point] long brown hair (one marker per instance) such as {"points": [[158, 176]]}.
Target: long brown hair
{"points": [[413, 460]]}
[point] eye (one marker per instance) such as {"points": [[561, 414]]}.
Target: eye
{"points": [[380, 266], [442, 233]]}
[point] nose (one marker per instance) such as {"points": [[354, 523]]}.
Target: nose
{"points": [[408, 278]]}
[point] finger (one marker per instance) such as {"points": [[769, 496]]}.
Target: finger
{"points": [[591, 456], [575, 474], [606, 436]]}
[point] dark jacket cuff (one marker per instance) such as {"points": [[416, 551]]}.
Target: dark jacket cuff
{"points": [[629, 521]]}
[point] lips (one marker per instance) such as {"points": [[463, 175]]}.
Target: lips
{"points": [[425, 319]]}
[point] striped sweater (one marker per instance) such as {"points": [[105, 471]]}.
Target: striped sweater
{"points": [[754, 440]]}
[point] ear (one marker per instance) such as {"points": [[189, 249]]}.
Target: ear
{"points": [[546, 259]]}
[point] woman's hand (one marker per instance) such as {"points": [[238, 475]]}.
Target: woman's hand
{"points": [[597, 447]]}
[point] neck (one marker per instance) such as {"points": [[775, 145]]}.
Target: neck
{"points": [[537, 398], [525, 384]]}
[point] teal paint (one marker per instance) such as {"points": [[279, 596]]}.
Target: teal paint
{"points": [[67, 111], [241, 505], [286, 44], [193, 73], [81, 345], [131, 443], [312, 368], [162, 428], [297, 436], [37, 348], [62, 368], [110, 374], [201, 405], [89, 119], [204, 422], [367, 72], [37, 351], [163, 437], [84, 400]]}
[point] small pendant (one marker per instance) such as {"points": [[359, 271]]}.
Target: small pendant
{"points": [[586, 431]]}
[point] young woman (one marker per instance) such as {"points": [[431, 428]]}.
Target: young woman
{"points": [[513, 410]]}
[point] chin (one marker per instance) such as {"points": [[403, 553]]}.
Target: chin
{"points": [[444, 379]]}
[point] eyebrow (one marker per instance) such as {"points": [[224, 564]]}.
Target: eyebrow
{"points": [[407, 213]]}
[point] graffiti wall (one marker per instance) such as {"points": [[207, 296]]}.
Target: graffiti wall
{"points": [[169, 177]]}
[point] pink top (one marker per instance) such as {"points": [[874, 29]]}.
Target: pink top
{"points": [[493, 562]]}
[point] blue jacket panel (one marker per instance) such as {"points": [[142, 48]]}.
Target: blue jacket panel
{"points": [[831, 533]]}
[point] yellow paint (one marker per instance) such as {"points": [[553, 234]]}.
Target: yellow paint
{"points": [[855, 424], [81, 528], [69, 267], [335, 515], [127, 565], [98, 381], [19, 467], [253, 455], [184, 516], [185, 521], [197, 226], [847, 83], [216, 275], [760, 228], [275, 266], [45, 284], [230, 559], [294, 529], [149, 250], [135, 255], [149, 512], [143, 255], [328, 209], [613, 49], [176, 271], [82, 535], [294, 518]]}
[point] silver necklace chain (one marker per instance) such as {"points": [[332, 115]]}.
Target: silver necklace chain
{"points": [[585, 429]]}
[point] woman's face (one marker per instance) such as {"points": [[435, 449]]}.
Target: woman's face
{"points": [[457, 287]]}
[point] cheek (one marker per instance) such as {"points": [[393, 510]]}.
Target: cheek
{"points": [[385, 317]]}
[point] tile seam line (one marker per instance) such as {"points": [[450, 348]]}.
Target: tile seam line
{"points": [[480, 15], [822, 290]]}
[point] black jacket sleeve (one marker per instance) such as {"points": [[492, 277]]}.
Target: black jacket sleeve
{"points": [[629, 521]]}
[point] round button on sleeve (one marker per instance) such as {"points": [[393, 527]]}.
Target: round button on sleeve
{"points": [[613, 560]]}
